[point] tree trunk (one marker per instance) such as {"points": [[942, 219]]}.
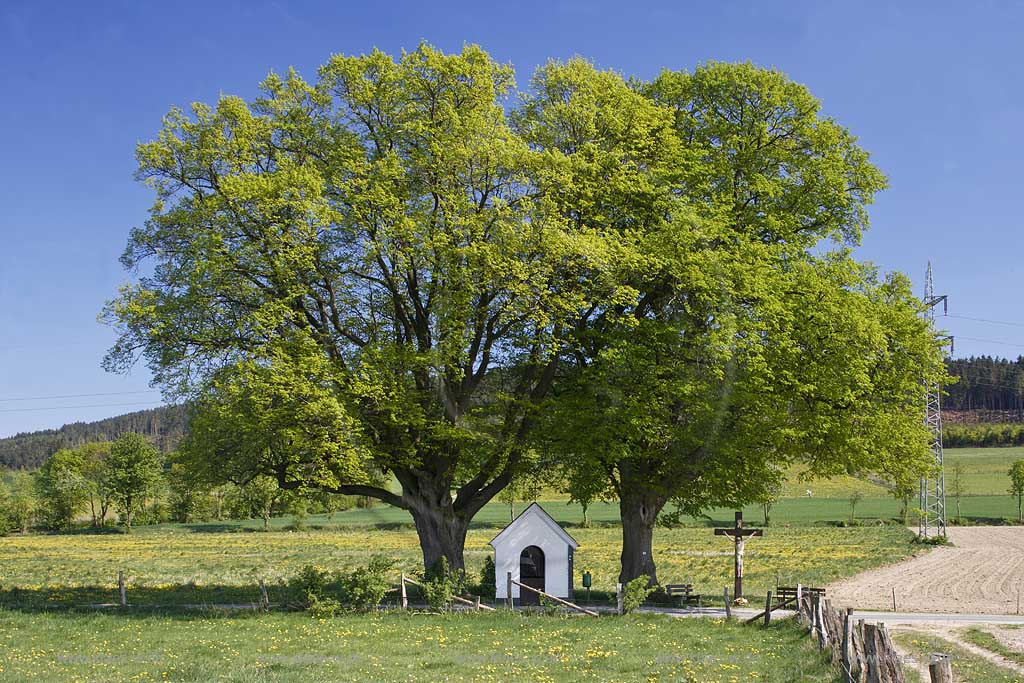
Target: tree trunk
{"points": [[441, 518], [128, 513], [639, 511], [442, 533]]}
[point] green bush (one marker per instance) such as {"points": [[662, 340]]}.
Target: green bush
{"points": [[310, 585], [439, 585], [364, 587], [488, 582], [932, 540], [634, 593], [323, 608]]}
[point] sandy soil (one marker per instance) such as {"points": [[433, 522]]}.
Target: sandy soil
{"points": [[980, 574]]}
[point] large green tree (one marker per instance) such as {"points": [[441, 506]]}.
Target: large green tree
{"points": [[389, 218], [426, 270], [746, 346]]}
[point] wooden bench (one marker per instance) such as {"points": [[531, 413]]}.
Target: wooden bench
{"points": [[683, 591]]}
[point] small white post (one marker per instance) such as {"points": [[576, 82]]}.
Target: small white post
{"points": [[508, 593], [405, 597], [618, 598]]}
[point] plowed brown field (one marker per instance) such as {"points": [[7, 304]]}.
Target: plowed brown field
{"points": [[981, 573]]}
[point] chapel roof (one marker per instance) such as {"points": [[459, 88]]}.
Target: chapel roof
{"points": [[535, 511]]}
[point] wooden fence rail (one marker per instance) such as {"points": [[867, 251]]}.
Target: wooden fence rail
{"points": [[476, 604], [552, 597], [864, 652]]}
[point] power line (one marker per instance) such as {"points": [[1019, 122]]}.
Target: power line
{"points": [[985, 320], [95, 405], [47, 398], [990, 341]]}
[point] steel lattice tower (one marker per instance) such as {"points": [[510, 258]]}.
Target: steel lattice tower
{"points": [[933, 488]]}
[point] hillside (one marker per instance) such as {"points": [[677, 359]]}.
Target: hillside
{"points": [[164, 426]]}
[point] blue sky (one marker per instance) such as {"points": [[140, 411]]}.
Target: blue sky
{"points": [[933, 90]]}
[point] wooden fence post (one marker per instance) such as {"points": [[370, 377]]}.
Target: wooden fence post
{"points": [[508, 593], [847, 644], [264, 598], [871, 654], [812, 615], [121, 588], [889, 664], [620, 608], [476, 606], [941, 669], [822, 632], [768, 609], [860, 649], [728, 605], [405, 596]]}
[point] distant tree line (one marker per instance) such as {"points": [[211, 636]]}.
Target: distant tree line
{"points": [[129, 482], [164, 427], [986, 383]]}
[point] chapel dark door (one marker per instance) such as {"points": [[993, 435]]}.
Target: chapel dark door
{"points": [[531, 572]]}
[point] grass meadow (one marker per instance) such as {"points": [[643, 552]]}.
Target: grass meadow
{"points": [[393, 647], [175, 565]]}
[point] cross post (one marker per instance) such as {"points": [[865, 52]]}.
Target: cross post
{"points": [[739, 535]]}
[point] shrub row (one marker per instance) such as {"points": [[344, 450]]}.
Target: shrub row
{"points": [[961, 436], [324, 593]]}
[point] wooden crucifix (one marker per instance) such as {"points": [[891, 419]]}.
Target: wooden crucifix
{"points": [[739, 535]]}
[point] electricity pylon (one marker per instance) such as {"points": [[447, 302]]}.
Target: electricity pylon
{"points": [[933, 487]]}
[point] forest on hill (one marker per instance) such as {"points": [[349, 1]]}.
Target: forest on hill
{"points": [[164, 426], [986, 383]]}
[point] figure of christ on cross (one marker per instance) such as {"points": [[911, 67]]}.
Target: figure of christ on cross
{"points": [[739, 535]]}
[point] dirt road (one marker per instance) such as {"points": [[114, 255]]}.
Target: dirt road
{"points": [[983, 573]]}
